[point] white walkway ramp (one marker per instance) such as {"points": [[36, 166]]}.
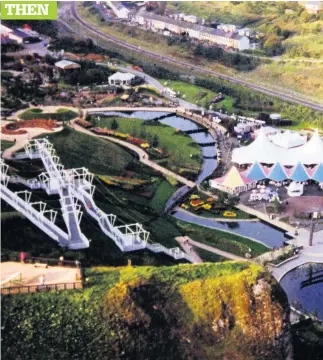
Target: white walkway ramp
{"points": [[73, 186]]}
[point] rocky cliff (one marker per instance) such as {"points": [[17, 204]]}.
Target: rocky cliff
{"points": [[231, 310]]}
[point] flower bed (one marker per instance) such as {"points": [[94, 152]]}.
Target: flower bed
{"points": [[122, 136], [16, 128], [84, 123]]}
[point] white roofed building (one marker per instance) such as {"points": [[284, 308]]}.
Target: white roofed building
{"points": [[117, 7], [67, 65], [120, 79]]}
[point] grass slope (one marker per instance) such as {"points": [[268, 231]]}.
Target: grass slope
{"points": [[99, 155]]}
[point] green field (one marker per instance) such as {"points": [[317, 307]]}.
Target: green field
{"points": [[181, 149]]}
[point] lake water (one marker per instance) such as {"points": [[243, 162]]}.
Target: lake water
{"points": [[259, 231], [304, 288]]}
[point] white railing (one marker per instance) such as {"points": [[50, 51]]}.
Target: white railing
{"points": [[73, 185]]}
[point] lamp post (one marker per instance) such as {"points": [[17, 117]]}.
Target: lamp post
{"points": [[314, 216]]}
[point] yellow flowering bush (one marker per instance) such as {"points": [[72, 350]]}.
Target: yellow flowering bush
{"points": [[229, 214]]}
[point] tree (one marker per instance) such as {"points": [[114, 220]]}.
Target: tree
{"points": [[114, 124], [155, 141]]}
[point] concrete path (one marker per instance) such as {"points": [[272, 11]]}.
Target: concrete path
{"points": [[183, 241], [212, 249]]}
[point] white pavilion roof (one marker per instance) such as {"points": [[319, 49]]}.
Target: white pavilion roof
{"points": [[288, 139], [262, 150]]}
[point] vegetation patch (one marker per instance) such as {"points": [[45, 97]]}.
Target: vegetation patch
{"points": [[60, 115], [149, 313]]}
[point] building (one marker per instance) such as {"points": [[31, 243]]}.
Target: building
{"points": [[227, 27], [21, 35], [160, 23], [312, 7], [120, 79], [190, 18], [233, 182], [120, 11], [67, 65]]}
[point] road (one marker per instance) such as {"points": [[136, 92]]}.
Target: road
{"points": [[171, 60]]}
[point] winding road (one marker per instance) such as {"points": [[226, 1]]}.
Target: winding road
{"points": [[171, 60]]}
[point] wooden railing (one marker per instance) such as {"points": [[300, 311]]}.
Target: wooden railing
{"points": [[41, 288]]}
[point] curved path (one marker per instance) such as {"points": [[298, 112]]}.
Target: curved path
{"points": [[168, 59], [312, 254], [207, 248]]}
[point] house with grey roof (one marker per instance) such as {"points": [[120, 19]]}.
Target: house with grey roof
{"points": [[157, 22]]}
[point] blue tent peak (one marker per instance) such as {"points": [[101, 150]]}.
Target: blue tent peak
{"points": [[318, 175], [256, 172], [299, 173], [277, 173]]}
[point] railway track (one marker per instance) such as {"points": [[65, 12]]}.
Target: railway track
{"points": [[171, 60]]}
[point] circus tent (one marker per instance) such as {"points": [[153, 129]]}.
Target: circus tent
{"points": [[233, 182], [288, 139], [277, 173], [262, 150]]}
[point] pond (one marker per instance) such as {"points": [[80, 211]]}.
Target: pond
{"points": [[177, 122], [256, 230], [304, 288]]}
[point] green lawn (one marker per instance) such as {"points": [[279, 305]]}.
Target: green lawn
{"points": [[5, 144], [190, 91], [162, 194], [181, 149]]}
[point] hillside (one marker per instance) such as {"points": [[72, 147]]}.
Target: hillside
{"points": [[178, 312]]}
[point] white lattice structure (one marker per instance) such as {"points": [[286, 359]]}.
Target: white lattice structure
{"points": [[75, 185]]}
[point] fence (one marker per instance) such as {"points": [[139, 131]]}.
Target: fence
{"points": [[41, 288], [41, 260]]}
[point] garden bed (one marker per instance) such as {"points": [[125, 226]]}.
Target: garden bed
{"points": [[17, 128]]}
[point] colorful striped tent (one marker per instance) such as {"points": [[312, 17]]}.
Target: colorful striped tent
{"points": [[233, 182]]}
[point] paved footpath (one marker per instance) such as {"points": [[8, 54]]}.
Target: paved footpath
{"points": [[211, 249], [182, 240], [313, 254]]}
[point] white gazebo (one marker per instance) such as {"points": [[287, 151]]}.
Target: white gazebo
{"points": [[120, 79]]}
